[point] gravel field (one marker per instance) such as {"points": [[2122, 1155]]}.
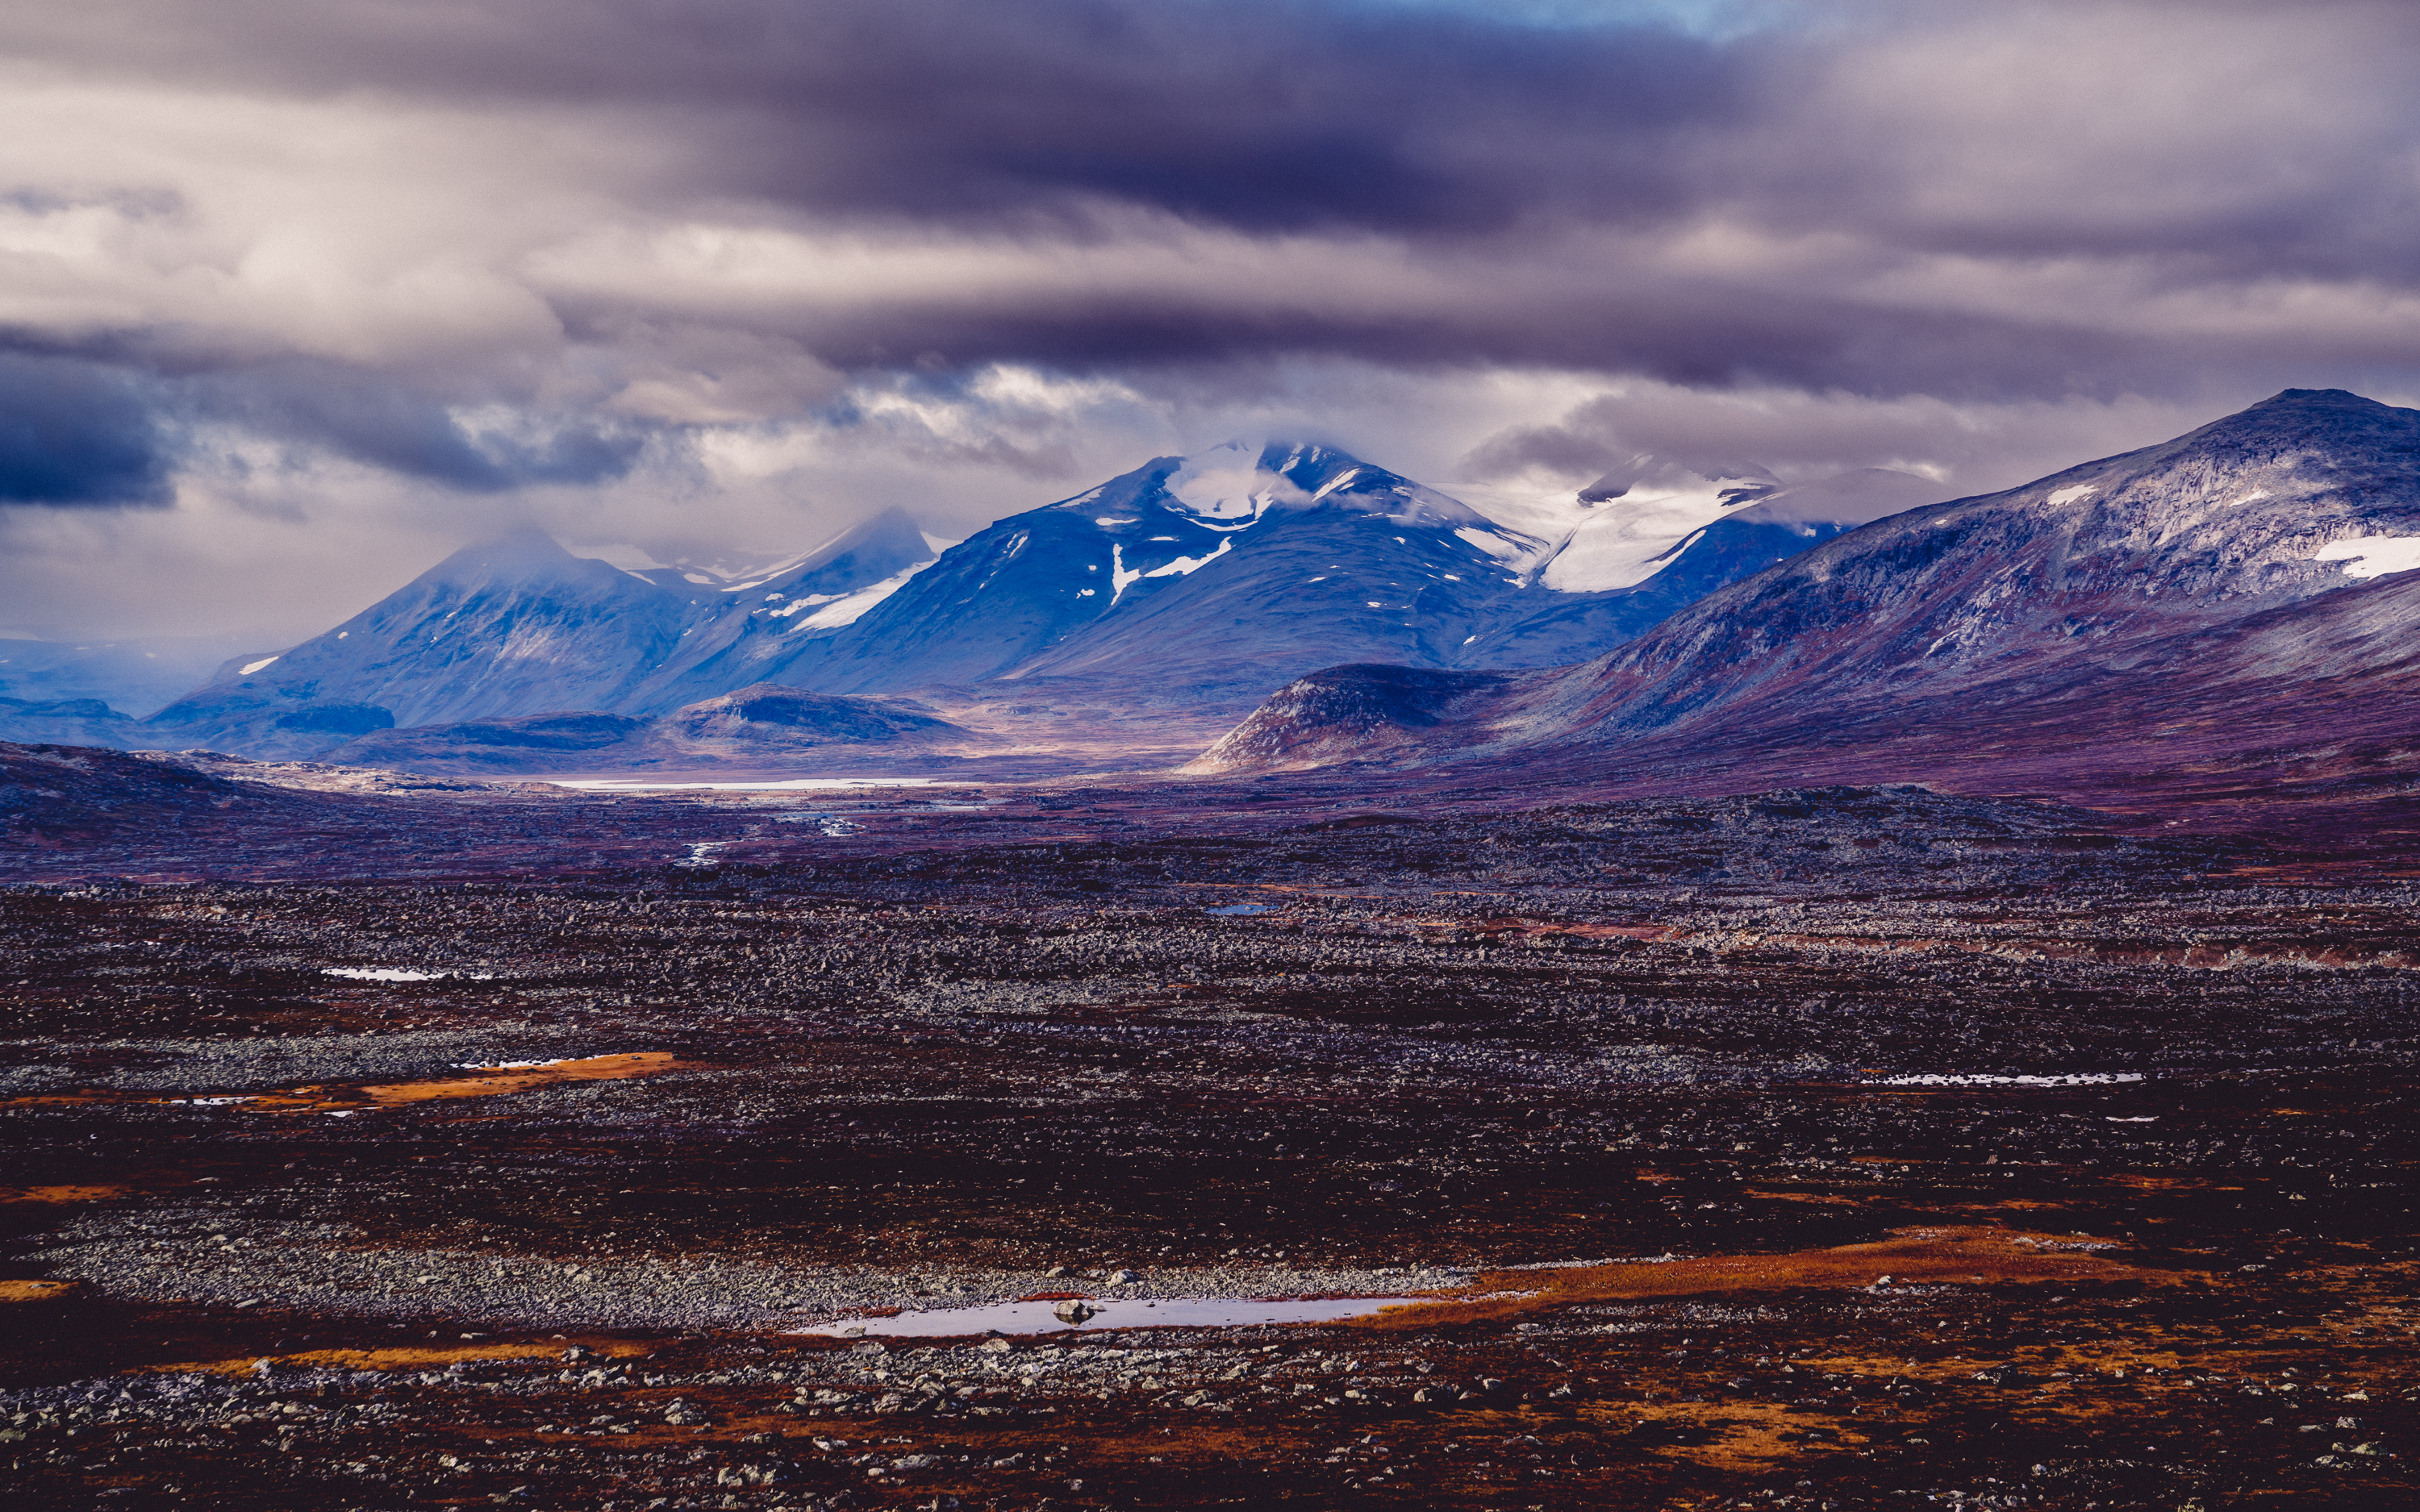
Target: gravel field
{"points": [[1828, 1147]]}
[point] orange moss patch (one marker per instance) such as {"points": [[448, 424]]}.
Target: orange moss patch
{"points": [[493, 1083], [405, 1359], [334, 1098], [34, 1290], [2006, 1204], [61, 1194], [1748, 1435], [1823, 1198], [1963, 1254], [2170, 1183]]}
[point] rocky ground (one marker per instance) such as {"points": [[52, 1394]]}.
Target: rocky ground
{"points": [[1849, 1147]]}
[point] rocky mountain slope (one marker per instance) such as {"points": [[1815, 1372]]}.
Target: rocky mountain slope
{"points": [[2229, 569]]}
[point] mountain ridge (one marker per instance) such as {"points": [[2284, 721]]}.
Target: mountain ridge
{"points": [[1219, 575], [1903, 617]]}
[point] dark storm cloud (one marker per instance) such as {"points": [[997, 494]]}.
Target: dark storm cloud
{"points": [[75, 433], [364, 417], [1258, 114], [608, 217]]}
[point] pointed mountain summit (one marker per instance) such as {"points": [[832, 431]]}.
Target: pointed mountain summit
{"points": [[1208, 569], [767, 622]]}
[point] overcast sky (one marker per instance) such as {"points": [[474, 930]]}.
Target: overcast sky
{"points": [[298, 295]]}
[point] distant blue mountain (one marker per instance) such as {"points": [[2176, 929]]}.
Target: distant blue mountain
{"points": [[133, 675], [514, 624], [1212, 579]]}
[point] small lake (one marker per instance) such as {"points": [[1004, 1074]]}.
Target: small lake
{"points": [[1114, 1313]]}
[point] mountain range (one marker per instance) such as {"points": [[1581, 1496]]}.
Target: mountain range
{"points": [[1204, 582], [2232, 599], [2231, 611]]}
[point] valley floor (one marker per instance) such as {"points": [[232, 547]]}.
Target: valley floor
{"points": [[1846, 1148]]}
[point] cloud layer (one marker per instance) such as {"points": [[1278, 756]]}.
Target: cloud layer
{"points": [[740, 269]]}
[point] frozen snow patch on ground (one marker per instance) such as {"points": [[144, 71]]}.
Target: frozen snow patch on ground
{"points": [[400, 974], [532, 1065], [2373, 556], [829, 824], [2087, 1078]]}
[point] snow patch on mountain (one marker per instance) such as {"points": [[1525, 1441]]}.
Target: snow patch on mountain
{"points": [[1632, 525], [2372, 556], [1228, 485], [846, 609], [1188, 566]]}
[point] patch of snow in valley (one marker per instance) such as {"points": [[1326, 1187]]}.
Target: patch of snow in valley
{"points": [[1622, 542], [400, 974], [1629, 540], [530, 1065], [832, 825], [2088, 1078]]}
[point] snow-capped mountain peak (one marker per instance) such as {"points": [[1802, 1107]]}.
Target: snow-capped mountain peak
{"points": [[1225, 574]]}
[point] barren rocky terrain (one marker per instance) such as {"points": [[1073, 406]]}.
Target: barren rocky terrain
{"points": [[1846, 1146]]}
